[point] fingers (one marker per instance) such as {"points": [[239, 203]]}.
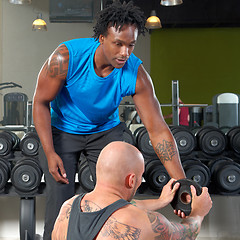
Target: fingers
{"points": [[193, 191], [176, 187], [59, 174], [180, 214]]}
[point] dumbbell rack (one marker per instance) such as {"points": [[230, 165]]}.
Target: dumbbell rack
{"points": [[27, 217]]}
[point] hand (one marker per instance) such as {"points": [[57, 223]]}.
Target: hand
{"points": [[201, 204], [56, 169], [168, 192]]}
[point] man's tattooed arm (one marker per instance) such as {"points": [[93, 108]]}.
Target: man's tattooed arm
{"points": [[163, 229], [165, 151]]}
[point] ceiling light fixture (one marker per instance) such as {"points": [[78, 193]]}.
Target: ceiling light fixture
{"points": [[39, 24], [153, 22], [20, 1], [171, 2]]}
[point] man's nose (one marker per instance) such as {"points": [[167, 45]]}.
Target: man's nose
{"points": [[124, 51]]}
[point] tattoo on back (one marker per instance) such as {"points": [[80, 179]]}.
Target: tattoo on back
{"points": [[112, 228], [117, 230], [165, 150]]}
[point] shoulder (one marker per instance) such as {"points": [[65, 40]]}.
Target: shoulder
{"points": [[129, 222], [67, 207], [61, 224], [80, 44]]}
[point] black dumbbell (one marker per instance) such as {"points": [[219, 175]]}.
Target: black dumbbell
{"points": [[211, 140], [8, 142], [143, 141], [5, 170], [196, 171], [29, 144], [234, 139], [155, 175], [186, 141], [85, 177], [225, 176], [26, 176], [128, 137]]}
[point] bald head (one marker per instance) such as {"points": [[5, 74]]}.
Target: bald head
{"points": [[116, 161]]}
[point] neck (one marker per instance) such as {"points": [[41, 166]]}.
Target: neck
{"points": [[101, 66], [106, 194]]}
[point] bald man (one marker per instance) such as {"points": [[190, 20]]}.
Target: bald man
{"points": [[106, 212]]}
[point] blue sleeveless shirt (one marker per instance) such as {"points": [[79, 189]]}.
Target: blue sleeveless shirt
{"points": [[88, 103]]}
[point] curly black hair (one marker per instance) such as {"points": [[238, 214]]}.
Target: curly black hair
{"points": [[118, 14]]}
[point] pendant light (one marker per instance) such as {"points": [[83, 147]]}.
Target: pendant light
{"points": [[20, 1], [39, 24], [153, 22], [171, 2]]}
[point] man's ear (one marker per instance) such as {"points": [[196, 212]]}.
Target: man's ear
{"points": [[101, 38], [130, 180]]}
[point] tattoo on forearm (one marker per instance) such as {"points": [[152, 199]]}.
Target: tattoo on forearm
{"points": [[112, 228], [59, 63], [172, 230], [165, 151]]}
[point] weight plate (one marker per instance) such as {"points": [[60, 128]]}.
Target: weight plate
{"points": [[198, 173], [26, 175], [144, 143], [228, 178], [179, 201], [186, 141], [14, 139], [212, 142], [128, 137], [5, 145], [29, 146], [4, 173], [156, 175], [213, 165], [235, 141], [85, 177]]}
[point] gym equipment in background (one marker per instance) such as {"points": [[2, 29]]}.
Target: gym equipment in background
{"points": [[155, 175], [29, 144], [186, 141], [196, 171], [211, 140], [225, 176]]}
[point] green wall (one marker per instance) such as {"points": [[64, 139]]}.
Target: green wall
{"points": [[205, 61]]}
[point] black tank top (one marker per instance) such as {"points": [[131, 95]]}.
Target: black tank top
{"points": [[86, 225]]}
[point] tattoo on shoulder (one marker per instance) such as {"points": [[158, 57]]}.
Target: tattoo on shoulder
{"points": [[112, 228], [66, 210], [117, 230], [59, 62], [89, 206], [165, 150]]}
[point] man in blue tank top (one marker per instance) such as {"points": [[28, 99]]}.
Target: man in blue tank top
{"points": [[75, 106]]}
